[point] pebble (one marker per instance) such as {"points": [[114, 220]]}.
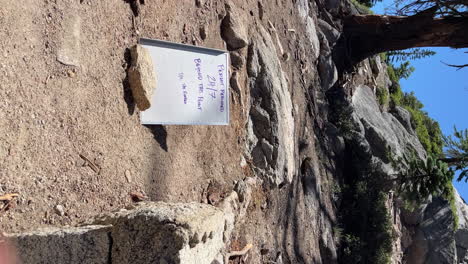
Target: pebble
{"points": [[70, 74], [199, 3], [203, 33], [59, 210], [243, 162], [128, 176]]}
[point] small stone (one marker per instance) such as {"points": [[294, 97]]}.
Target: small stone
{"points": [[234, 83], [71, 74], [203, 34], [243, 162], [128, 176], [59, 210], [69, 52], [199, 3], [237, 61], [260, 10], [141, 77]]}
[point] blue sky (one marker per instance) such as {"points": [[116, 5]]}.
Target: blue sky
{"points": [[443, 90]]}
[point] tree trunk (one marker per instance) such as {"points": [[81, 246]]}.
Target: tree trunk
{"points": [[367, 35]]}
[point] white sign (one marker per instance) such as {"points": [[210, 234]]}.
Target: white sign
{"points": [[192, 85]]}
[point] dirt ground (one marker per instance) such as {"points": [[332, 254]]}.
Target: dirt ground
{"points": [[52, 113]]}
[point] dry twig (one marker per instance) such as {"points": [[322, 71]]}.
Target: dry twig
{"points": [[8, 197], [237, 253], [90, 164]]}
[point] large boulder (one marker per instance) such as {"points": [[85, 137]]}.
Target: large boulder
{"points": [[88, 244], [153, 232], [158, 232]]}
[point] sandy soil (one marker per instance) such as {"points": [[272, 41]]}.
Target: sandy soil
{"points": [[52, 113]]}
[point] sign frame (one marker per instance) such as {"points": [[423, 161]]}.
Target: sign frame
{"points": [[195, 49]]}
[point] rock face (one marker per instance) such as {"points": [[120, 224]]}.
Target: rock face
{"points": [[461, 235], [272, 140], [382, 130], [311, 31], [404, 117], [434, 241], [150, 233], [141, 77]]}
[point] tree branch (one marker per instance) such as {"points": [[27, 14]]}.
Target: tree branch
{"points": [[456, 66]]}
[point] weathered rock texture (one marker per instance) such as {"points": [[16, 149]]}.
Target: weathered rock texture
{"points": [[150, 233], [434, 240], [272, 140], [461, 235], [69, 52], [384, 133], [88, 244], [141, 77]]}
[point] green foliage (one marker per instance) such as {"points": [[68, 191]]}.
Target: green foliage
{"points": [[450, 197], [340, 115], [419, 179], [368, 3], [382, 95], [404, 70], [427, 129], [383, 56], [409, 54], [382, 222], [431, 177], [367, 234], [423, 178], [456, 152], [363, 6], [351, 245]]}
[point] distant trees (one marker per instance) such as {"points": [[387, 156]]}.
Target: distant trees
{"points": [[404, 70], [420, 178], [456, 152]]}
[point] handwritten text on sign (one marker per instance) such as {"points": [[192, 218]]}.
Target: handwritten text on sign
{"points": [[211, 86], [192, 85]]}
